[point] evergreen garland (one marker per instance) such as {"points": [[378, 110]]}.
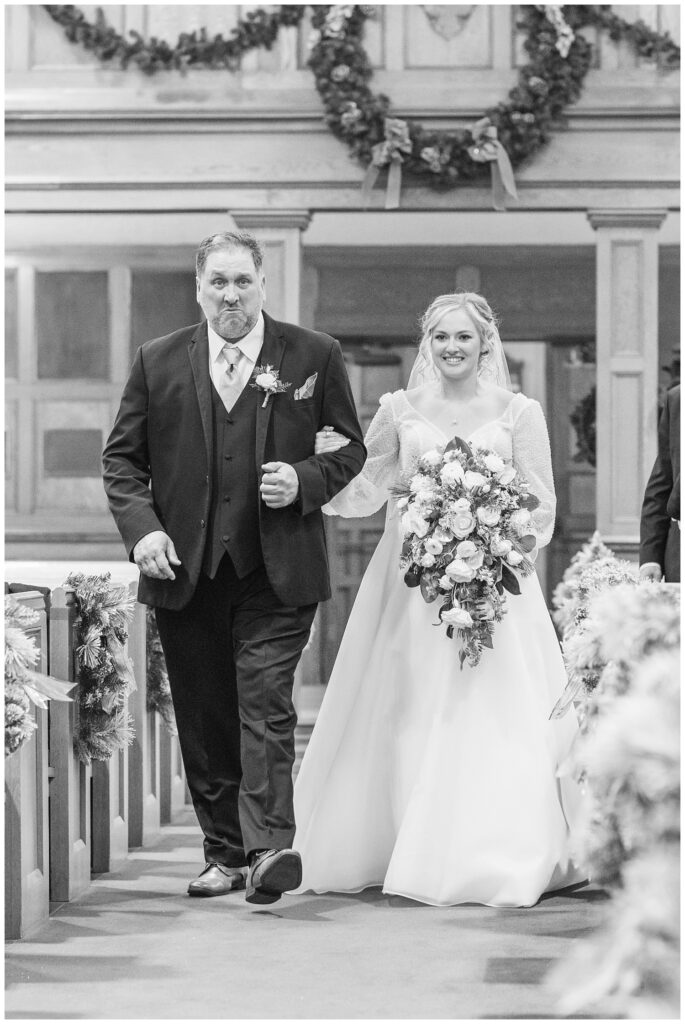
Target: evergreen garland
{"points": [[559, 59], [158, 691], [104, 670]]}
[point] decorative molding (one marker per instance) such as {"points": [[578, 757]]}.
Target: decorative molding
{"points": [[626, 218], [271, 218], [448, 20]]}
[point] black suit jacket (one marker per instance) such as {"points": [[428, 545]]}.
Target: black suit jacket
{"points": [[157, 461], [662, 495]]}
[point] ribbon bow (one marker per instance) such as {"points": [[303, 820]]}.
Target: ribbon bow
{"points": [[487, 149], [388, 153]]}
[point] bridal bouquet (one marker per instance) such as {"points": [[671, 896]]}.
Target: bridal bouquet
{"points": [[466, 517]]}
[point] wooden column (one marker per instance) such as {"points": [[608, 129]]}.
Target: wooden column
{"points": [[627, 368], [143, 754], [70, 821], [27, 865], [110, 812]]}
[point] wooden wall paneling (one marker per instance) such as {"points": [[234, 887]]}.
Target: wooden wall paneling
{"points": [[446, 36], [27, 848], [26, 378], [56, 489], [143, 755], [110, 812], [171, 777], [70, 789], [119, 285], [11, 455]]}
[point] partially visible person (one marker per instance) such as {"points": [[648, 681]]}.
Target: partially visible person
{"points": [[660, 518]]}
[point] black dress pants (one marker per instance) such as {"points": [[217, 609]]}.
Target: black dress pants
{"points": [[231, 655]]}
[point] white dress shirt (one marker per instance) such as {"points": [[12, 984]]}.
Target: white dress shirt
{"points": [[250, 346]]}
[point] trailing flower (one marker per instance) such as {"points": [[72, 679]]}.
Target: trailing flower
{"points": [[105, 673], [23, 685]]}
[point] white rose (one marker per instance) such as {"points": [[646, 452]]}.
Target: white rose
{"points": [[445, 583], [427, 561], [472, 555], [514, 557], [493, 462], [507, 475], [462, 524], [432, 458], [452, 473], [462, 505], [473, 480], [265, 380], [433, 546], [520, 520], [402, 503], [500, 546], [412, 522], [459, 571], [426, 496], [488, 516], [458, 617]]}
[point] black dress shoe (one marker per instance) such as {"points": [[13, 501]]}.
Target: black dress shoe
{"points": [[217, 880], [272, 873]]}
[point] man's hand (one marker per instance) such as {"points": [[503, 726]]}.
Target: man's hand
{"points": [[329, 440], [153, 553], [651, 571], [279, 485]]}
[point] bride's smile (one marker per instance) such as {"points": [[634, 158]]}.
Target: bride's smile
{"points": [[456, 346]]}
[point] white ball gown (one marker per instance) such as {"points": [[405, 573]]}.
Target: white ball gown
{"points": [[437, 783]]}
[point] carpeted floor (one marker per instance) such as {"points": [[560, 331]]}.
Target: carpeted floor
{"points": [[137, 947]]}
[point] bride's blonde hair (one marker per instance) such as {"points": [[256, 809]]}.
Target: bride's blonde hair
{"points": [[492, 364], [477, 308]]}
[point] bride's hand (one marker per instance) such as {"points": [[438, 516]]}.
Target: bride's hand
{"points": [[329, 440]]}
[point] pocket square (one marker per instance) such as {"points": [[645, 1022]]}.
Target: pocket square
{"points": [[307, 389]]}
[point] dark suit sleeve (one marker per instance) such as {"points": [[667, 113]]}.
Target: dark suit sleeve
{"points": [[654, 519], [126, 463], [321, 477]]}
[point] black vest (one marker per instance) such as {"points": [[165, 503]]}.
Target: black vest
{"points": [[234, 510]]}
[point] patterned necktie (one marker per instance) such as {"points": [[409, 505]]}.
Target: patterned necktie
{"points": [[231, 384]]}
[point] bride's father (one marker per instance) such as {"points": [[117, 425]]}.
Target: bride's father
{"points": [[212, 481]]}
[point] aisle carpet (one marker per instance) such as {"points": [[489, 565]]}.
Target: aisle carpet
{"points": [[135, 946]]}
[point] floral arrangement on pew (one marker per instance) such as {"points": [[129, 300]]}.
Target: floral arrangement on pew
{"points": [[628, 757], [466, 517], [565, 592], [104, 670], [158, 693], [23, 685]]}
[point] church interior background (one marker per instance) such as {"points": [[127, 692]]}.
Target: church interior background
{"points": [[114, 177]]}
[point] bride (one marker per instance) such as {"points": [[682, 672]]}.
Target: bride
{"points": [[437, 783]]}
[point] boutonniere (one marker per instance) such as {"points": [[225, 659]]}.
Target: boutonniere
{"points": [[266, 380]]}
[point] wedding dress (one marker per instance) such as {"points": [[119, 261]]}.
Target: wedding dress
{"points": [[439, 784]]}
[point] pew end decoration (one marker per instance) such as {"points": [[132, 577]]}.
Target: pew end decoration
{"points": [[622, 650], [158, 693], [24, 686], [104, 670]]}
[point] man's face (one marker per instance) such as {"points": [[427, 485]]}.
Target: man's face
{"points": [[231, 292]]}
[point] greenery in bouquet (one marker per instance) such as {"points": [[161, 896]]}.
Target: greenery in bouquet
{"points": [[467, 522], [24, 686], [104, 670]]}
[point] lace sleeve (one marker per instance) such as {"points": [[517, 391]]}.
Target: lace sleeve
{"points": [[370, 490], [533, 459]]}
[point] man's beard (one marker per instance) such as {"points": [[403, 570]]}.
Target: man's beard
{"points": [[233, 324]]}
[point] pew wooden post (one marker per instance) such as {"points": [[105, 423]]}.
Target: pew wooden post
{"points": [[110, 812], [143, 757], [27, 863], [172, 778], [70, 820]]}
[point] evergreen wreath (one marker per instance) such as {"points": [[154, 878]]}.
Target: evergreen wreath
{"points": [[103, 668], [559, 58], [158, 695]]}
